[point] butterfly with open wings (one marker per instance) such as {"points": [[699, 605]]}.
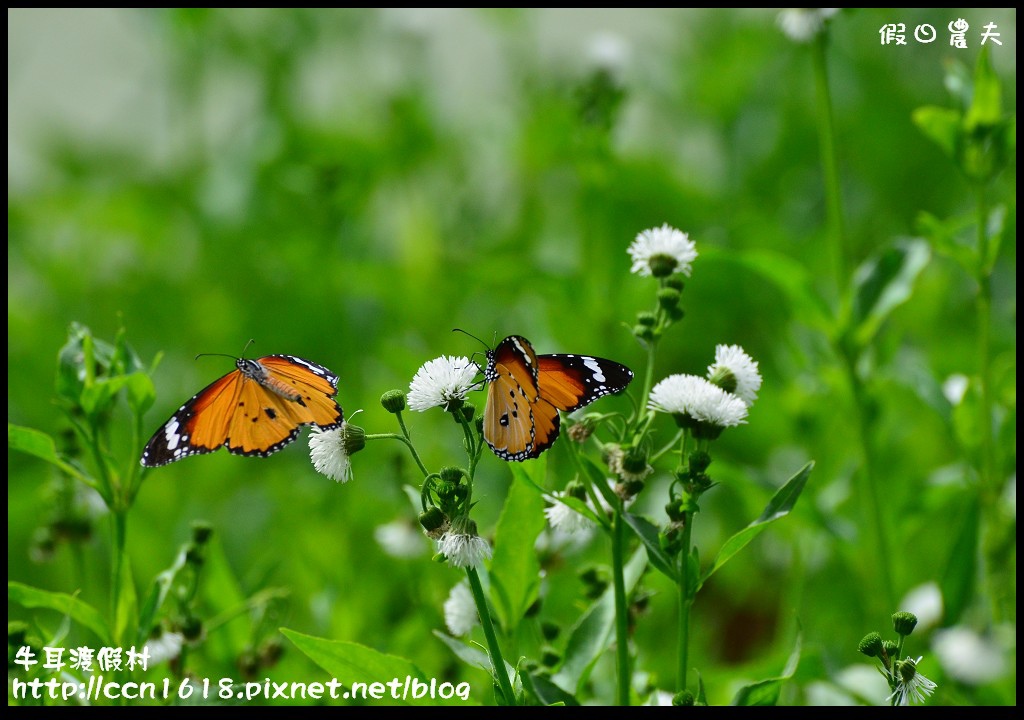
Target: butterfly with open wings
{"points": [[255, 409], [526, 391]]}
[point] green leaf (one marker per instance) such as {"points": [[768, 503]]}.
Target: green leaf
{"points": [[228, 604], [994, 231], [986, 108], [591, 635], [158, 594], [958, 580], [349, 663], [790, 277], [941, 126], [766, 692], [951, 237], [474, 656], [780, 505], [31, 441], [69, 605], [547, 693], [885, 282], [126, 613], [702, 695], [99, 396], [40, 445], [649, 536], [515, 569], [141, 392], [70, 364]]}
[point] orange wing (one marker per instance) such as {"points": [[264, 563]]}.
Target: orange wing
{"points": [[570, 382], [254, 410], [527, 390], [512, 393]]}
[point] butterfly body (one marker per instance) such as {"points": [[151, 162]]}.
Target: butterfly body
{"points": [[256, 409], [526, 391]]}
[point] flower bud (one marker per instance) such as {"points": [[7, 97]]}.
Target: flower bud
{"points": [[393, 401], [904, 622], [871, 645]]}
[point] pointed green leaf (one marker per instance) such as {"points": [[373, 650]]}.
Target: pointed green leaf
{"points": [[885, 282], [229, 627], [591, 635], [349, 663], [790, 277], [779, 506], [141, 392], [158, 594], [958, 580], [649, 536], [766, 692], [952, 237], [475, 656], [69, 605], [986, 108], [941, 126], [126, 613], [40, 445], [515, 569], [547, 693]]}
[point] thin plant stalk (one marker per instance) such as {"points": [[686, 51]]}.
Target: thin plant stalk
{"points": [[497, 661], [874, 523], [685, 603], [621, 617]]}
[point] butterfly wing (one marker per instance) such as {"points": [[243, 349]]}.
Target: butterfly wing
{"points": [[255, 410], [209, 410], [511, 372], [570, 382]]}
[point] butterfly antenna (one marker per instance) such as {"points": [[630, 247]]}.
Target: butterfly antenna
{"points": [[215, 355], [473, 336]]}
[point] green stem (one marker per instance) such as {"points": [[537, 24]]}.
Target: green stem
{"points": [[621, 609], [497, 661], [684, 605], [408, 441], [873, 515], [119, 519], [830, 164], [992, 544]]}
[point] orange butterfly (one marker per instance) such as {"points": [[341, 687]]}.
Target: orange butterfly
{"points": [[256, 409], [527, 390]]}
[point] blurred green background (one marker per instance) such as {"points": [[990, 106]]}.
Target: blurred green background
{"points": [[349, 185]]}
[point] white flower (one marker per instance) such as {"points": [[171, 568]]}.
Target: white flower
{"points": [[955, 387], [399, 539], [925, 602], [164, 647], [699, 399], [464, 551], [660, 697], [460, 610], [440, 382], [608, 51], [802, 24], [564, 518], [661, 252], [616, 459], [329, 454], [911, 686], [969, 657], [732, 360]]}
